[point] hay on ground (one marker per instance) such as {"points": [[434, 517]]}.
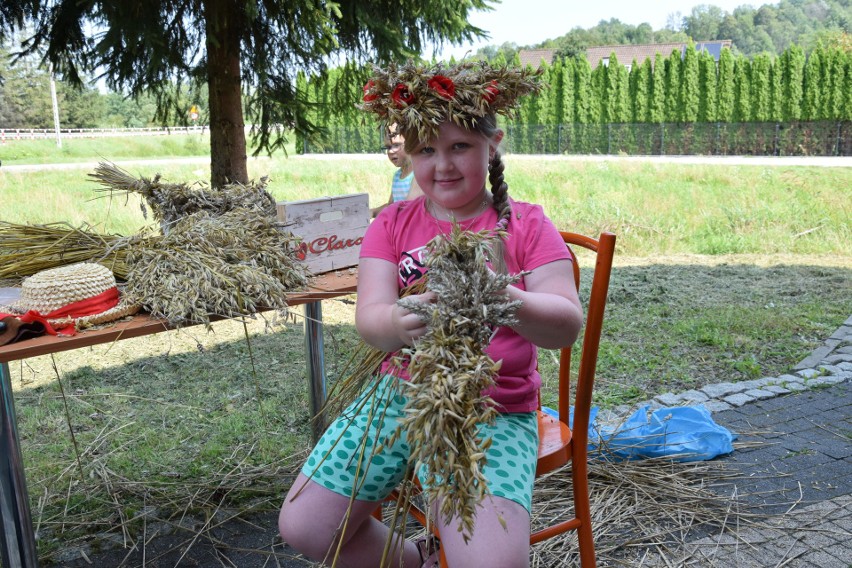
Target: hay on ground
{"points": [[636, 506]]}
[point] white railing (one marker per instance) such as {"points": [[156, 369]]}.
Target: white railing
{"points": [[7, 134]]}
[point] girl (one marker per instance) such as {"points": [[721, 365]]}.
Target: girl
{"points": [[328, 509], [403, 185]]}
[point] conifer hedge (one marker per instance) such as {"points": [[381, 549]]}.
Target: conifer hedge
{"points": [[683, 103]]}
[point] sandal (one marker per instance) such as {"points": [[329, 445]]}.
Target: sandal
{"points": [[428, 547]]}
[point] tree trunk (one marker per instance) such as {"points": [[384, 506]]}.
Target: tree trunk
{"points": [[228, 163]]}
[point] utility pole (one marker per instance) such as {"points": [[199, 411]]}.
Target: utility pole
{"points": [[55, 107]]}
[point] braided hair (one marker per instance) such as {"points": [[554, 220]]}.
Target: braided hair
{"points": [[499, 193]]}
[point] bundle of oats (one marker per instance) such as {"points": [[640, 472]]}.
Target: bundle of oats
{"points": [[230, 264], [449, 370], [171, 202]]}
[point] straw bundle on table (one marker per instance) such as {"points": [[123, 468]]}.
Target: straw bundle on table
{"points": [[449, 370], [171, 202], [229, 264], [221, 251], [27, 249]]}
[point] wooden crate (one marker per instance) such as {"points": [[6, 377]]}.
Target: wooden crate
{"points": [[331, 229]]}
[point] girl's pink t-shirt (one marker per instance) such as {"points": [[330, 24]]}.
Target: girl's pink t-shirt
{"points": [[399, 235]]}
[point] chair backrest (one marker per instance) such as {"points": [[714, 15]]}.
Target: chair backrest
{"points": [[604, 247]]}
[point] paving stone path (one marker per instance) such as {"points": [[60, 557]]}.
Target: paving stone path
{"points": [[799, 474]]}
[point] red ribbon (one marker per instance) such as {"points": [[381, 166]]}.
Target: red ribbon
{"points": [[90, 306]]}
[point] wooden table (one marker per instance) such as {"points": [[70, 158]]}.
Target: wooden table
{"points": [[17, 539]]}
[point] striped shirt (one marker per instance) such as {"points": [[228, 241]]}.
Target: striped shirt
{"points": [[401, 186]]}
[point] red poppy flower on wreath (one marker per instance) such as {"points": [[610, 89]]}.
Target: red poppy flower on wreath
{"points": [[369, 97], [402, 96], [491, 92], [444, 86]]}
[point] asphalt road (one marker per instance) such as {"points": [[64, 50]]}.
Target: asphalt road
{"points": [[815, 161]]}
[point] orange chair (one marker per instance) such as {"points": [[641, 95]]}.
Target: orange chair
{"points": [[558, 444]]}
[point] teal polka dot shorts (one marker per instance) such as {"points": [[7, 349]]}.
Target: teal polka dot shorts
{"points": [[346, 460]]}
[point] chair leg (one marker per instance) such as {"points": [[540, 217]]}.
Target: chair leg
{"points": [[587, 546], [443, 558], [585, 537]]}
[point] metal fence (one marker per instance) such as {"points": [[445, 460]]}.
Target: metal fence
{"points": [[826, 138], [344, 140]]}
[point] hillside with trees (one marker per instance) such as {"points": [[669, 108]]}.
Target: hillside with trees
{"points": [[770, 28], [25, 101]]}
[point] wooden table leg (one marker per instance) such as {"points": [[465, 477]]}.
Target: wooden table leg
{"points": [[17, 547]]}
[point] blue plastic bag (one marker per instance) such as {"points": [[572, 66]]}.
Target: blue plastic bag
{"points": [[681, 433]]}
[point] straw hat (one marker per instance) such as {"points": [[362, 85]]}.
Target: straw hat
{"points": [[82, 295]]}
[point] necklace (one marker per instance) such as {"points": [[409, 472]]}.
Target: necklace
{"points": [[450, 216]]}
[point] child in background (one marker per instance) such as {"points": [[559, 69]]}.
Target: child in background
{"points": [[403, 185], [454, 156]]}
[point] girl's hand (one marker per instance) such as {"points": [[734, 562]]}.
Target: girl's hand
{"points": [[410, 326]]}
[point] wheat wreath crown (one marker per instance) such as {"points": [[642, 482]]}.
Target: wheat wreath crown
{"points": [[419, 98]]}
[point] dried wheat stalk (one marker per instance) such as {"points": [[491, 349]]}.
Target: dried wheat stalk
{"points": [[171, 202], [27, 249], [231, 264]]}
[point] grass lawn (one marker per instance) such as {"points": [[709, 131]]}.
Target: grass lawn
{"points": [[86, 149]]}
